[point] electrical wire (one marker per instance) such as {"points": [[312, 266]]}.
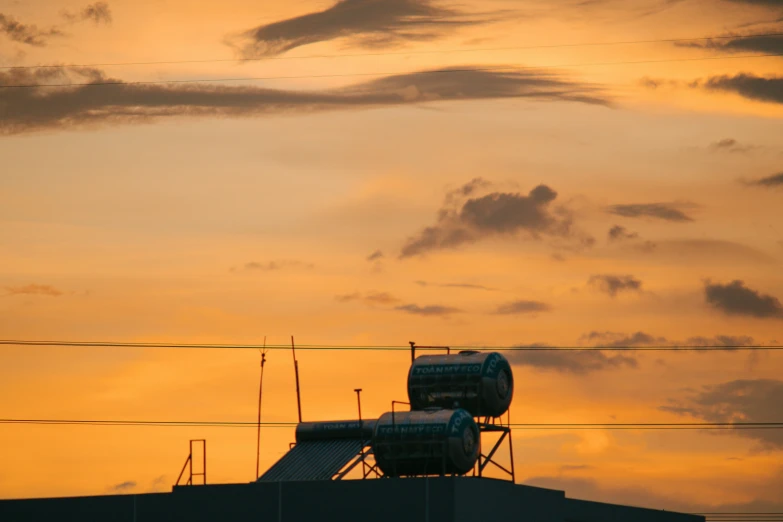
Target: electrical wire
{"points": [[511, 67], [397, 53], [519, 426], [316, 347]]}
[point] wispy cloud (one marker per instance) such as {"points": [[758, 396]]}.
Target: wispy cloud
{"points": [[773, 181], [99, 13], [375, 256], [730, 145], [571, 362], [753, 400], [123, 486], [467, 286], [33, 289], [368, 298], [614, 284], [619, 340], [619, 233], [665, 211], [28, 34], [30, 105], [522, 307], [428, 310], [267, 266], [365, 23]]}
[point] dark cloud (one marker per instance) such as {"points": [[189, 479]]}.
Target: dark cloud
{"points": [[762, 43], [573, 362], [614, 284], [729, 145], [33, 289], [721, 340], [123, 486], [576, 467], [369, 298], [618, 233], [272, 265], [99, 12], [773, 181], [737, 299], [665, 211], [467, 286], [766, 3], [36, 106], [429, 310], [26, 33], [375, 256], [366, 23], [755, 400], [495, 214], [619, 340], [759, 88], [522, 307]]}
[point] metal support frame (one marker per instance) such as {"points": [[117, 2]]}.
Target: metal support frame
{"points": [[189, 462], [505, 430]]}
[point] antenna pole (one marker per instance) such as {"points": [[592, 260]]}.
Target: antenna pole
{"points": [[260, 389], [413, 351], [296, 374]]}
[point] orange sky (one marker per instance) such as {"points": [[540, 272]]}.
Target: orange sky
{"points": [[227, 211]]}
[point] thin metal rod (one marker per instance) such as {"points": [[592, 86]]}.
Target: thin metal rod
{"points": [[204, 442], [296, 374], [413, 351], [260, 389]]}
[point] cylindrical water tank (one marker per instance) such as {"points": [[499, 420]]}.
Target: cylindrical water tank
{"points": [[428, 442], [330, 430], [480, 382]]}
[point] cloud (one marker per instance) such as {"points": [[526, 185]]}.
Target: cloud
{"points": [[368, 298], [765, 3], [34, 106], [123, 486], [33, 289], [272, 265], [614, 284], [755, 400], [365, 23], [750, 86], [99, 12], [429, 310], [773, 181], [467, 286], [737, 299], [618, 233], [375, 256], [26, 33], [619, 340], [573, 362], [522, 307], [496, 214], [730, 145], [665, 211], [761, 43]]}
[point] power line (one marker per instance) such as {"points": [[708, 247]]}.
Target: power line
{"points": [[397, 53], [317, 347], [519, 426], [511, 68]]}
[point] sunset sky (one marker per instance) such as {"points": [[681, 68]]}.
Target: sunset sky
{"points": [[373, 172]]}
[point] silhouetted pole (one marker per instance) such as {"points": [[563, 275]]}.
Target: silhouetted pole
{"points": [[296, 374], [359, 400], [413, 351], [260, 390]]}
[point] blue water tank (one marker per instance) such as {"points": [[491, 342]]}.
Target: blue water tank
{"points": [[428, 442], [479, 382]]}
